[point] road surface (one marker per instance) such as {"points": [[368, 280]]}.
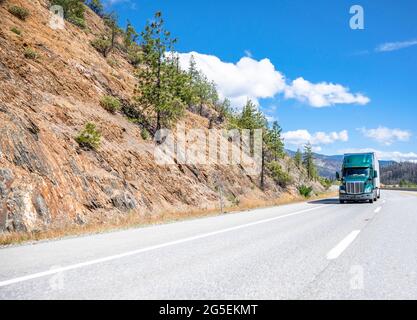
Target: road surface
{"points": [[313, 250]]}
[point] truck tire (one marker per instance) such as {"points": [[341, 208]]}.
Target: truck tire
{"points": [[371, 200]]}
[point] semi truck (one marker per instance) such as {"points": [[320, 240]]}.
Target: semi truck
{"points": [[359, 178]]}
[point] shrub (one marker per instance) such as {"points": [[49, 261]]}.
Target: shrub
{"points": [[281, 177], [110, 103], [134, 57], [102, 45], [89, 137], [19, 12], [79, 22], [407, 184], [31, 54], [144, 134], [112, 62], [134, 54], [16, 30], [233, 199], [305, 191], [326, 183]]}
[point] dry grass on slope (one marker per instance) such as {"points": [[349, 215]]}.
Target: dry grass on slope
{"points": [[132, 220]]}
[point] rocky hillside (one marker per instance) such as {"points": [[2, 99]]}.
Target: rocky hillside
{"points": [[46, 179], [326, 165], [399, 173]]}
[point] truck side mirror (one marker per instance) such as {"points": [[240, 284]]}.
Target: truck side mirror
{"points": [[337, 176], [375, 174]]}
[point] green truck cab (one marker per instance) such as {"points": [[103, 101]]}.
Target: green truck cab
{"points": [[359, 178]]}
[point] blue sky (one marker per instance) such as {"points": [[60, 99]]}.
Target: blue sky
{"points": [[342, 89]]}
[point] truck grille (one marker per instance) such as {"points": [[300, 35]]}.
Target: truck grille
{"points": [[355, 187]]}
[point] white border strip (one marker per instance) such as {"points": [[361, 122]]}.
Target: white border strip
{"points": [[155, 247]]}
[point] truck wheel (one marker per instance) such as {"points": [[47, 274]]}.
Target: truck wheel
{"points": [[379, 194], [371, 200]]}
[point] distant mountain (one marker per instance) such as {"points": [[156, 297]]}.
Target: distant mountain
{"points": [[395, 173], [327, 166]]}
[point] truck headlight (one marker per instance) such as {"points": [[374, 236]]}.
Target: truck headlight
{"points": [[368, 188], [342, 189]]}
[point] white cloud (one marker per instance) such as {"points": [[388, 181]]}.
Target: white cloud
{"points": [[112, 2], [386, 155], [131, 4], [252, 79], [247, 79], [385, 135], [393, 46], [299, 138], [322, 94]]}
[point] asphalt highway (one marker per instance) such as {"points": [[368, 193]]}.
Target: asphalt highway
{"points": [[313, 250]]}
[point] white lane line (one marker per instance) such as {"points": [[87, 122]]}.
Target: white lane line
{"points": [[337, 251], [155, 247], [378, 209], [383, 201]]}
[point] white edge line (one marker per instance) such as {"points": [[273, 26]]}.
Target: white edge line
{"points": [[378, 209], [134, 252], [342, 245]]}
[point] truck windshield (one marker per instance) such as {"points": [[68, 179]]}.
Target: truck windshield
{"points": [[356, 172]]}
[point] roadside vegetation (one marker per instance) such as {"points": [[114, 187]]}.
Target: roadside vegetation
{"points": [[89, 138], [110, 103], [19, 12], [407, 184], [30, 54], [305, 191], [16, 31], [403, 174]]}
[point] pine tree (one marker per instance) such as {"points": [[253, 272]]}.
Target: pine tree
{"points": [[224, 109], [202, 90], [308, 161], [180, 80], [157, 89], [130, 35], [251, 117], [193, 71], [110, 20], [274, 142], [298, 158]]}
